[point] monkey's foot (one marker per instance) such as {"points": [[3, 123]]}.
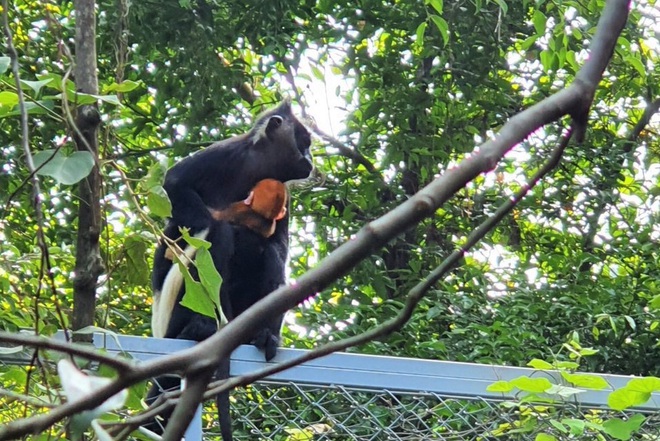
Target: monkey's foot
{"points": [[267, 342]]}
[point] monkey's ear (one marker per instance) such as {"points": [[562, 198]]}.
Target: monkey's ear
{"points": [[248, 201], [274, 123], [281, 214]]}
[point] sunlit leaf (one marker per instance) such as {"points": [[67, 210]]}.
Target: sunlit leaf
{"points": [[540, 364], [5, 62], [539, 20], [436, 4], [36, 85], [419, 33], [531, 384], [124, 86], [500, 386], [442, 26], [588, 381], [66, 170], [8, 98], [625, 398], [622, 429], [158, 202]]}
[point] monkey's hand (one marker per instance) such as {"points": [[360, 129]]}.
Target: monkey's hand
{"points": [[266, 341], [169, 254]]}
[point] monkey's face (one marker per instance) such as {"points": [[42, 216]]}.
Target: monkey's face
{"points": [[285, 143]]}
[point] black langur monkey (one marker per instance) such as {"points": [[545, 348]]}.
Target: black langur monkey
{"points": [[251, 264]]}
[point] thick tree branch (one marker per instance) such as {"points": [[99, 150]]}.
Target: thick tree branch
{"points": [[416, 293], [89, 265]]}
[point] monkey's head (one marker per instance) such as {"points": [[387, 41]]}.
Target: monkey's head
{"points": [[281, 140], [269, 199]]}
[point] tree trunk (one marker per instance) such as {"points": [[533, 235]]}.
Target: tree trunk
{"points": [[88, 258]]}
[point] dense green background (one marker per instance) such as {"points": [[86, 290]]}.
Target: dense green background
{"points": [[412, 88]]}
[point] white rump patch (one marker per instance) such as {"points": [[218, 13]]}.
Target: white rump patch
{"points": [[164, 301]]}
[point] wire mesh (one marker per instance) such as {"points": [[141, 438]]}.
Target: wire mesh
{"points": [[297, 412], [270, 411]]}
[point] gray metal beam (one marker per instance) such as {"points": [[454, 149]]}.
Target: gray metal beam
{"points": [[376, 372]]}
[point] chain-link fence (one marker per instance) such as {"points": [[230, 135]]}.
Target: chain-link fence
{"points": [[359, 397], [293, 412]]}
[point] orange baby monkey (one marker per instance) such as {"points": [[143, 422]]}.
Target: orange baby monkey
{"points": [[260, 211], [264, 206]]}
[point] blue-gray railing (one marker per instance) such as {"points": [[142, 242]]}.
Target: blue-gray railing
{"points": [[395, 374]]}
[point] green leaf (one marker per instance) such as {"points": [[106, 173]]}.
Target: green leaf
{"points": [[528, 42], [110, 99], [9, 99], [547, 58], [539, 20], [540, 364], [544, 437], [421, 29], [588, 381], [623, 430], [158, 202], [137, 268], [194, 241], [624, 398], [442, 26], [66, 170], [528, 384], [646, 384], [124, 86], [576, 426], [563, 391], [36, 85], [56, 82], [437, 5], [203, 297], [559, 426], [210, 279], [500, 386], [317, 73], [655, 302], [503, 6], [195, 297], [32, 108], [631, 322], [5, 62], [570, 365], [637, 64]]}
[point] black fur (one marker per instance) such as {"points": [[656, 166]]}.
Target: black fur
{"points": [[251, 266]]}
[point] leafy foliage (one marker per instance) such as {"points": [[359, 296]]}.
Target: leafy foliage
{"points": [[411, 87]]}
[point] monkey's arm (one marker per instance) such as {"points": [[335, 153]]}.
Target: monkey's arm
{"points": [[239, 213], [184, 183]]}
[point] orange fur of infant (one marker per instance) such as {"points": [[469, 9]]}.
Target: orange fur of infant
{"points": [[265, 205], [259, 212]]}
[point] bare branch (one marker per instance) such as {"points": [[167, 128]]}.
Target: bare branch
{"points": [[34, 341]]}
